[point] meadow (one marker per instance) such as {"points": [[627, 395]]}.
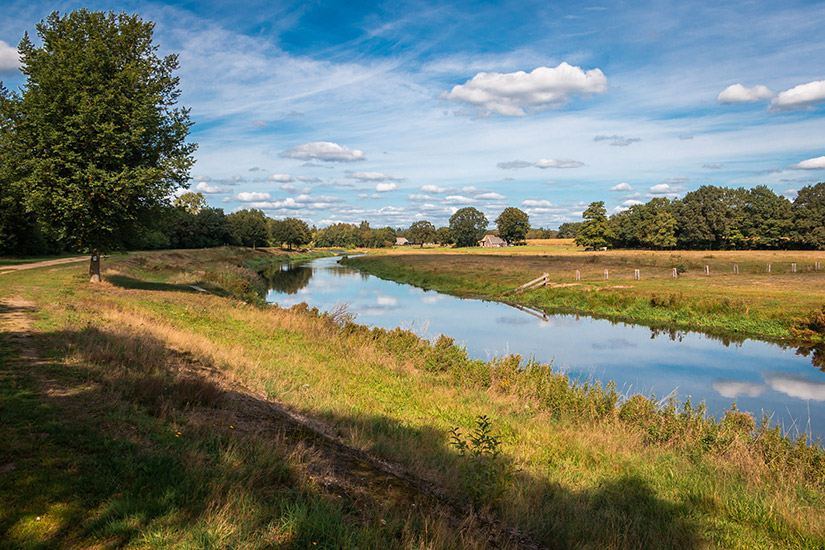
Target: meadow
{"points": [[143, 413]]}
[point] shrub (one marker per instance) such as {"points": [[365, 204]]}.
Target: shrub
{"points": [[487, 472]]}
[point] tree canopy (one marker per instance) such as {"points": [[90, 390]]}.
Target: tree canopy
{"points": [[95, 133], [422, 232], [467, 226], [290, 231], [595, 230], [513, 225]]}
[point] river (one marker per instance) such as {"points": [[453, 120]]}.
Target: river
{"points": [[759, 376]]}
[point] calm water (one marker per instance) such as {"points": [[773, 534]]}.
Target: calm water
{"points": [[758, 375]]}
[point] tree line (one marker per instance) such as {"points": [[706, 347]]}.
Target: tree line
{"points": [[709, 218]]}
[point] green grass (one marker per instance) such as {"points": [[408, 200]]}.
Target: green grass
{"points": [[594, 470]]}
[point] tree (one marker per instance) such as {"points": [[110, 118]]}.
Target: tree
{"points": [[98, 137], [422, 232], [657, 227], [595, 230], [568, 230], [809, 216], [443, 236], [513, 225], [292, 231], [192, 202], [467, 226], [248, 227]]}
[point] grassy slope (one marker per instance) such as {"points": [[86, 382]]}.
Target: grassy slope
{"points": [[752, 303], [101, 461]]}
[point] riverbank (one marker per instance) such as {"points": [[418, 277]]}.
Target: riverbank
{"points": [[737, 296], [171, 394]]}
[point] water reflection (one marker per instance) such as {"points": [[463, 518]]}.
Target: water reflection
{"points": [[714, 368]]}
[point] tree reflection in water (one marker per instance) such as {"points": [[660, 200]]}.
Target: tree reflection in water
{"points": [[288, 279]]}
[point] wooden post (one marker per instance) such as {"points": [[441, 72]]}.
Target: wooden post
{"points": [[675, 273], [578, 275], [707, 270], [816, 266], [636, 274], [769, 268], [736, 269], [793, 267], [605, 274]]}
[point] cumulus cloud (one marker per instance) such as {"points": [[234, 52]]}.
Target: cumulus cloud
{"points": [[514, 164], [736, 93], [306, 179], [624, 186], [817, 163], [512, 94], [490, 196], [631, 202], [9, 58], [292, 189], [324, 151], [558, 163], [384, 187], [800, 97], [458, 199], [420, 198], [534, 203], [669, 188], [433, 189], [371, 176], [618, 141], [203, 187], [252, 197], [282, 178]]}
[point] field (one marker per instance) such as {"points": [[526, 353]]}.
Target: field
{"points": [[142, 413], [753, 302]]}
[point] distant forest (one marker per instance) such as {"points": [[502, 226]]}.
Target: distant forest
{"points": [[710, 218]]}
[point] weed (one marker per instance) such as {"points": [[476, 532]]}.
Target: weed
{"points": [[487, 473]]}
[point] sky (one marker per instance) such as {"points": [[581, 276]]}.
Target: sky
{"points": [[403, 111]]}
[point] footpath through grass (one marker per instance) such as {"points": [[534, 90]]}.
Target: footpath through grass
{"points": [[738, 296], [128, 424]]}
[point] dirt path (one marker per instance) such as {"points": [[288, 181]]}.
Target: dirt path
{"points": [[46, 263]]}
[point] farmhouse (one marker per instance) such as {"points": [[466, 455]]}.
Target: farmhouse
{"points": [[401, 241], [491, 241]]}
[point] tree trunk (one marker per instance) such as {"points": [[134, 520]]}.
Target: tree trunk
{"points": [[94, 267]]}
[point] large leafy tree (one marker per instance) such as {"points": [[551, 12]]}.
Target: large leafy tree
{"points": [[513, 225], [97, 136], [422, 232], [467, 226], [248, 227], [289, 231], [809, 216], [595, 230]]}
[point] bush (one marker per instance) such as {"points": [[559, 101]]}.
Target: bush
{"points": [[487, 473]]}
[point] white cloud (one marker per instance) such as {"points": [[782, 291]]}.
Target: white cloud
{"points": [[631, 202], [371, 176], [458, 199], [433, 189], [817, 163], [252, 197], [325, 151], [9, 58], [420, 198], [558, 163], [490, 196], [509, 94], [384, 187], [624, 186], [289, 188], [800, 97], [736, 93], [204, 187], [537, 203], [283, 178], [665, 189], [714, 166]]}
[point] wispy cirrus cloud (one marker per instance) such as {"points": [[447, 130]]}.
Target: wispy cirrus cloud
{"points": [[618, 141]]}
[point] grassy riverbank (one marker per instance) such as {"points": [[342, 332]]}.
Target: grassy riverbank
{"points": [[753, 302], [142, 413]]}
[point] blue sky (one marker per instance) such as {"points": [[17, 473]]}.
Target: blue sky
{"points": [[400, 111]]}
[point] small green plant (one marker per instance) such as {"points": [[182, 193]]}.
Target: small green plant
{"points": [[487, 472]]}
